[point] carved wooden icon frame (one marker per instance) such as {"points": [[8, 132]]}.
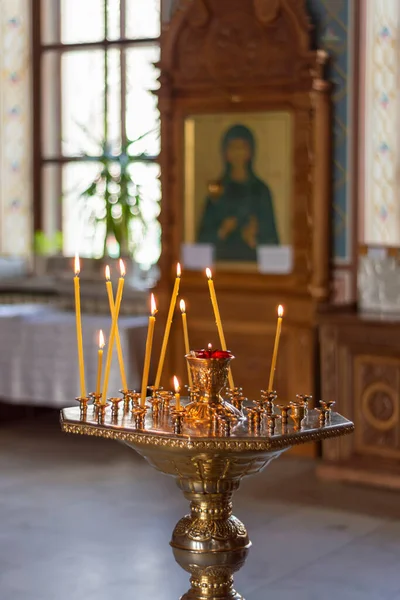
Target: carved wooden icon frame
{"points": [[250, 56]]}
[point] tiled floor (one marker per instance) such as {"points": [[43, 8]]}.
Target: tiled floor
{"points": [[84, 519]]}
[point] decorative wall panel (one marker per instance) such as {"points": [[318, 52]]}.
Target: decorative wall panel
{"points": [[382, 112], [15, 128]]}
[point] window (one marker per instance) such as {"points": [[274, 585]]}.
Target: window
{"points": [[94, 64]]}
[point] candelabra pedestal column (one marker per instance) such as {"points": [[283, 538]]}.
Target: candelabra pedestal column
{"points": [[211, 573], [211, 544]]}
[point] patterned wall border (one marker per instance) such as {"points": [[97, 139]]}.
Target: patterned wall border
{"points": [[380, 175], [334, 22], [15, 128]]}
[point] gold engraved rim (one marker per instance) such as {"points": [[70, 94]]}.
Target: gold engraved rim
{"points": [[240, 445]]}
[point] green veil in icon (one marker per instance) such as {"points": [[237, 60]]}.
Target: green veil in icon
{"points": [[238, 214]]}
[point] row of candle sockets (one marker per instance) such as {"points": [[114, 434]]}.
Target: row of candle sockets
{"points": [[114, 337], [263, 412]]}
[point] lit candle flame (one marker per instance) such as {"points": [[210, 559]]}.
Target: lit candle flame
{"points": [[108, 274], [182, 306], [208, 273], [77, 265], [102, 342], [153, 305], [176, 385], [178, 270], [280, 310], [122, 267], [210, 346]]}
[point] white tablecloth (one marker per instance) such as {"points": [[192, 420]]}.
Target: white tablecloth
{"points": [[38, 355]]}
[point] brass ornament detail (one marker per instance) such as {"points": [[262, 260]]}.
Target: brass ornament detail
{"points": [[233, 445], [210, 527], [202, 531]]}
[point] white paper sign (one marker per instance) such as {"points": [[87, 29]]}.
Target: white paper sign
{"points": [[197, 256], [275, 259]]}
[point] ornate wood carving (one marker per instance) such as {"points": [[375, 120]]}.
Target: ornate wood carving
{"points": [[377, 381], [236, 43], [360, 364]]}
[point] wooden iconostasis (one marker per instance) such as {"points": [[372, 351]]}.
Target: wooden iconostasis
{"points": [[245, 173]]}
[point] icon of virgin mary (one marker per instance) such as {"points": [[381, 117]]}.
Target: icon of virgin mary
{"points": [[238, 214]]}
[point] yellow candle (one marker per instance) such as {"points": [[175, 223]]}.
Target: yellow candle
{"points": [[114, 323], [177, 394], [147, 356], [117, 337], [276, 346], [218, 321], [78, 319], [168, 326], [100, 361], [185, 336]]}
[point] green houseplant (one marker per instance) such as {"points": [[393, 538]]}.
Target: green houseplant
{"points": [[113, 198], [118, 197]]}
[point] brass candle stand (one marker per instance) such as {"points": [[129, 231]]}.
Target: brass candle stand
{"points": [[209, 445]]}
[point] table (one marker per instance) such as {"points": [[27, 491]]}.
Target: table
{"points": [[38, 356]]}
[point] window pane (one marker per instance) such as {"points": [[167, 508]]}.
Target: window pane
{"points": [[50, 21], [80, 232], [142, 18], [114, 30], [146, 176], [114, 99], [82, 21], [82, 102], [141, 104], [52, 205], [51, 135]]}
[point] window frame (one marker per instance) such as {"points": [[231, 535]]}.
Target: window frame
{"points": [[39, 49]]}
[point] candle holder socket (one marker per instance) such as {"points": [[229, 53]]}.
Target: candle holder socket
{"points": [[268, 398], [127, 397], [271, 423], [139, 416], [156, 405], [135, 398], [96, 398], [237, 398], [83, 404], [101, 411], [178, 417], [154, 390], [215, 424], [322, 416], [328, 407], [284, 408], [304, 399], [165, 397], [225, 426], [115, 407], [297, 414], [253, 419]]}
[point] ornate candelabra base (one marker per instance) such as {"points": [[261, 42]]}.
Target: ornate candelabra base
{"points": [[209, 543]]}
